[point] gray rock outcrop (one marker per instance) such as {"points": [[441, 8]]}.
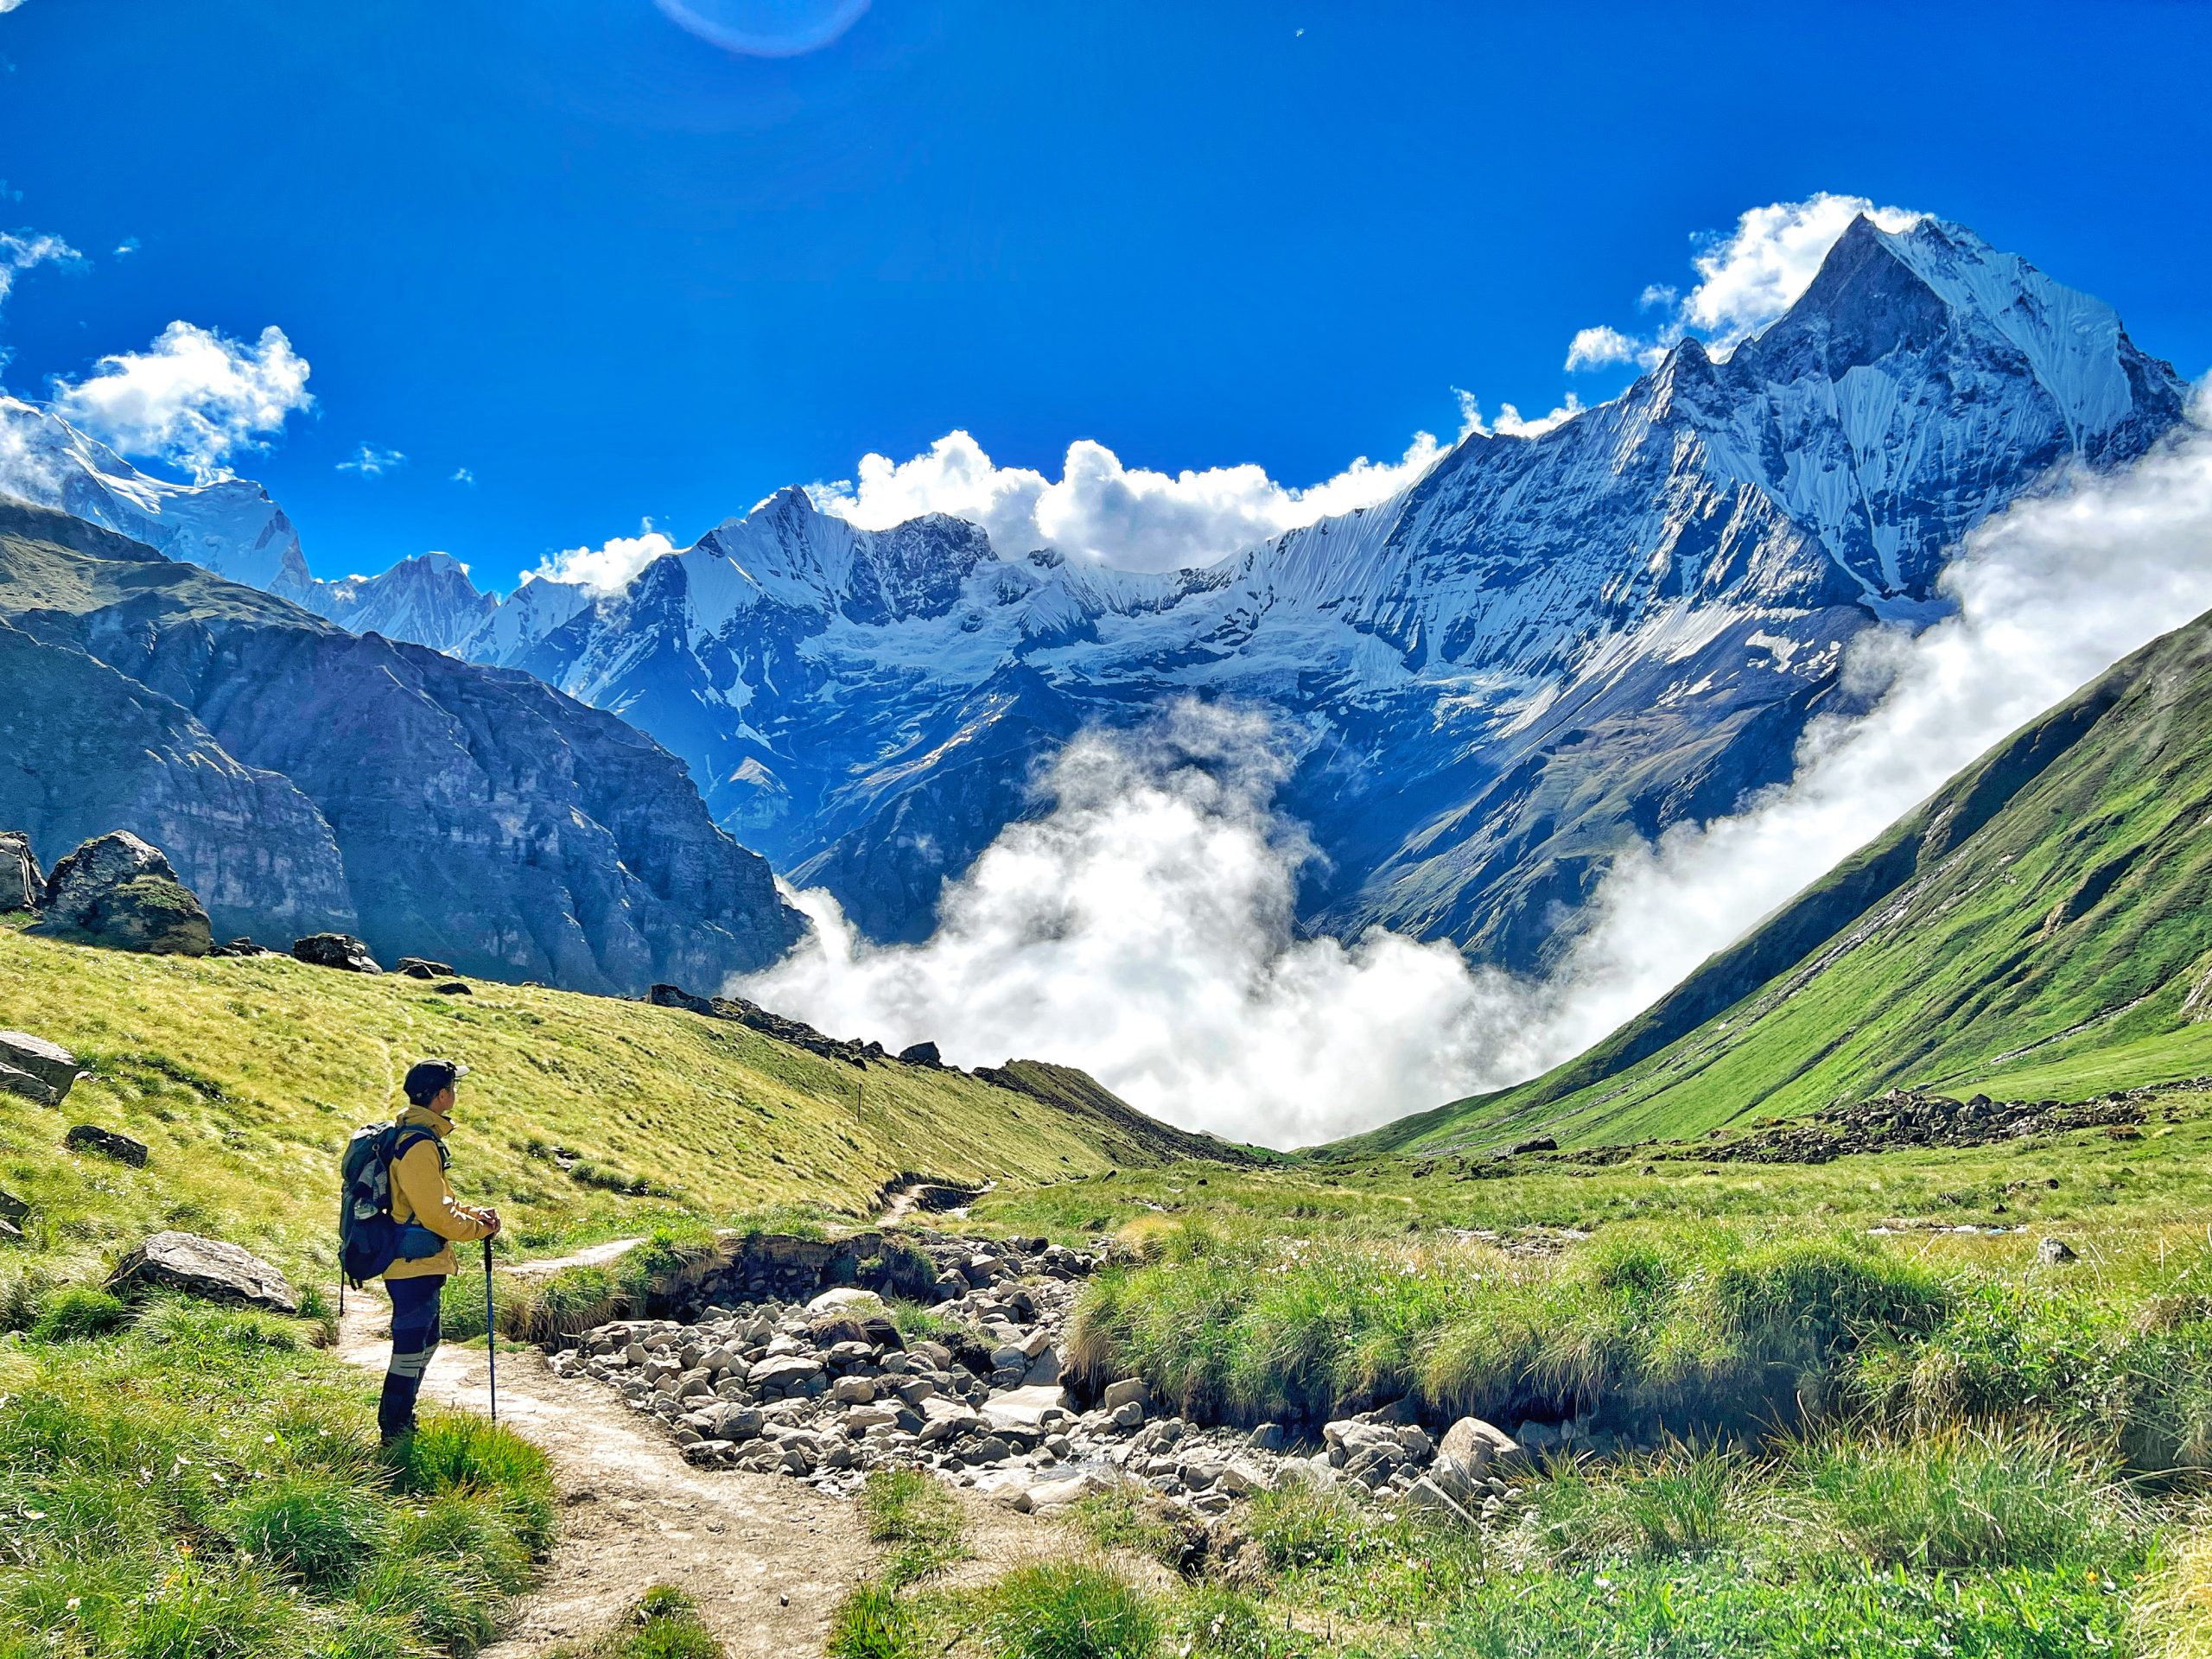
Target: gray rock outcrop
{"points": [[207, 1268], [51, 1067], [22, 887], [119, 891], [340, 950]]}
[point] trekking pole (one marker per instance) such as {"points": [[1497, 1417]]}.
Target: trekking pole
{"points": [[491, 1336]]}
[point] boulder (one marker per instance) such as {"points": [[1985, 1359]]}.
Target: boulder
{"points": [[340, 950], [241, 946], [1425, 1495], [88, 1137], [1539, 1143], [1129, 1388], [860, 1303], [207, 1268], [1027, 1407], [51, 1064], [1475, 1446], [13, 1082], [2055, 1252], [119, 891], [1059, 1494], [422, 968], [11, 1207], [452, 988], [918, 1054], [22, 886]]}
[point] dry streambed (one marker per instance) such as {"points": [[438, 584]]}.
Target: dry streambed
{"points": [[825, 1389]]}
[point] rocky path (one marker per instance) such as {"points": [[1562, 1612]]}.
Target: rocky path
{"points": [[765, 1558]]}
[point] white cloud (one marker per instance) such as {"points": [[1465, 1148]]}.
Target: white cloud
{"points": [[1129, 517], [462, 475], [372, 462], [6, 6], [1593, 348], [195, 398], [608, 568], [21, 250], [1746, 278], [126, 248], [1510, 424], [1142, 929], [1750, 277]]}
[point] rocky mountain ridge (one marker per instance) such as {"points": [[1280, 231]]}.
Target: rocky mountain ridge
{"points": [[1545, 650], [302, 778]]}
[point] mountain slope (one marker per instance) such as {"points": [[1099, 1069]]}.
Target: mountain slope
{"points": [[2039, 928], [244, 1078], [302, 776], [1543, 651]]}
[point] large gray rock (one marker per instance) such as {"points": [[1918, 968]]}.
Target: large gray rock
{"points": [[51, 1064], [22, 886], [1481, 1448], [13, 1082], [208, 1267], [340, 950], [119, 891]]}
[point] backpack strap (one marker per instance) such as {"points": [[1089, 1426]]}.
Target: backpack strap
{"points": [[411, 1135]]}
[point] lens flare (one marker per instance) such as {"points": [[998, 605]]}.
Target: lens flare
{"points": [[765, 28]]}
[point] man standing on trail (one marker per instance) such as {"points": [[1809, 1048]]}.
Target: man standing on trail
{"points": [[431, 1220]]}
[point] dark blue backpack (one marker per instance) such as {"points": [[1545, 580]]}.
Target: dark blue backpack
{"points": [[368, 1238]]}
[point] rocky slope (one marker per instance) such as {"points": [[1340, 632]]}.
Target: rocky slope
{"points": [[1544, 650], [302, 778], [2037, 930]]}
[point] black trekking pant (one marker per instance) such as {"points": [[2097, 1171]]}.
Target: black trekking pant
{"points": [[414, 1339]]}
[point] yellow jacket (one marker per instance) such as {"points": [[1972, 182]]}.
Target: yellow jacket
{"points": [[419, 1193]]}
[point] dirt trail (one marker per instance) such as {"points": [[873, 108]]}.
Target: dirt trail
{"points": [[591, 1255], [766, 1558]]}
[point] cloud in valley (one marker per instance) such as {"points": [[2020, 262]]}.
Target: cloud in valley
{"points": [[1746, 278], [195, 398], [1142, 928]]}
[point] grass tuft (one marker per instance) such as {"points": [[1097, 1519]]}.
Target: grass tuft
{"points": [[1070, 1610]]}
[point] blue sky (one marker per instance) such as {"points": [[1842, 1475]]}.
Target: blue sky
{"points": [[613, 270]]}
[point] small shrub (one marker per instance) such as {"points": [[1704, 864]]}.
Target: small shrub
{"points": [[76, 1312], [871, 1624], [1065, 1610]]}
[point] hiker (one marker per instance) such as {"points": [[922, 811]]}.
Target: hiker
{"points": [[431, 1220]]}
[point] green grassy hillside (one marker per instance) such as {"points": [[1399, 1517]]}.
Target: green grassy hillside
{"points": [[2037, 929], [584, 1116]]}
